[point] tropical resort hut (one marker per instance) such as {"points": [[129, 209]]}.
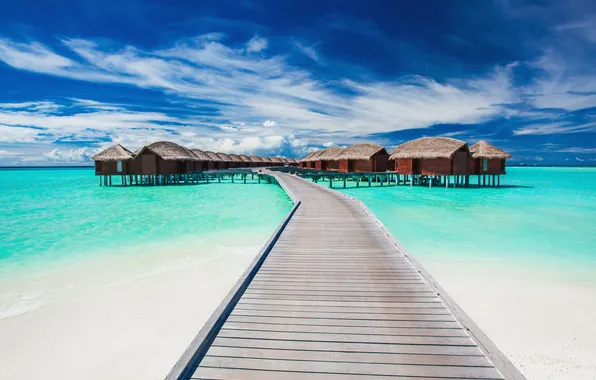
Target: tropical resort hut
{"points": [[440, 156], [363, 158], [115, 160], [303, 162], [247, 161], [277, 161], [237, 161], [327, 160], [165, 158], [266, 161], [291, 161], [204, 159], [311, 159], [487, 159], [215, 162], [257, 161], [228, 162]]}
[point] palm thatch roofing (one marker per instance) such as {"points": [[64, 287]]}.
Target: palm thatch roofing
{"points": [[224, 157], [213, 156], [330, 154], [482, 149], [277, 160], [256, 159], [266, 159], [169, 151], [360, 152], [114, 153], [307, 157], [292, 160], [201, 155], [236, 158], [428, 148], [315, 156], [244, 158], [285, 160]]}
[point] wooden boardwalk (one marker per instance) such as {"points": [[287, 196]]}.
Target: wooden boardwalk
{"points": [[333, 296]]}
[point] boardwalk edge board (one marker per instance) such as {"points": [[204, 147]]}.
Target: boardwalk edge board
{"points": [[197, 349], [494, 354]]}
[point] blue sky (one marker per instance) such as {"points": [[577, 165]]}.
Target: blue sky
{"points": [[277, 77]]}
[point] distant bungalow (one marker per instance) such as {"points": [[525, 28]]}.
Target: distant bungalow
{"points": [[163, 159], [426, 160]]}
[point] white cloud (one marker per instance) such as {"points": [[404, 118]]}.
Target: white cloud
{"points": [[79, 155], [579, 159], [253, 87], [269, 123], [309, 51], [256, 44], [562, 127]]}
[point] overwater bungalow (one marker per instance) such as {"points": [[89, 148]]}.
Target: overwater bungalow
{"points": [[227, 161], [246, 160], [204, 158], [434, 156], [363, 158], [327, 159], [311, 159], [292, 162], [215, 162], [256, 161], [302, 163], [277, 161], [266, 161], [114, 160], [164, 157], [237, 162], [487, 159]]}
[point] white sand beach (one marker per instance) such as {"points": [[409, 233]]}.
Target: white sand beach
{"points": [[544, 324], [127, 317], [131, 317]]}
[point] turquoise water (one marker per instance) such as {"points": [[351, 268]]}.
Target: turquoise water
{"points": [[50, 215], [541, 218]]}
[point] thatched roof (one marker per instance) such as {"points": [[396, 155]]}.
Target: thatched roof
{"points": [[224, 157], [170, 151], [285, 160], [244, 158], [314, 156], [235, 158], [330, 154], [360, 152], [213, 156], [277, 160], [292, 161], [482, 149], [266, 159], [114, 153], [201, 155], [305, 158], [255, 159], [428, 148]]}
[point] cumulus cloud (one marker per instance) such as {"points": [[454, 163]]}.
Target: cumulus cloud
{"points": [[269, 123], [70, 155], [256, 44]]}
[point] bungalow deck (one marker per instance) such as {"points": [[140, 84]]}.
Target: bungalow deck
{"points": [[332, 295]]}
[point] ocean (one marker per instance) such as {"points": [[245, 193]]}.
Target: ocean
{"points": [[91, 275], [541, 219]]}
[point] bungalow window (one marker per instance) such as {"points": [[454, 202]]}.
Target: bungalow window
{"points": [[485, 164], [119, 166]]}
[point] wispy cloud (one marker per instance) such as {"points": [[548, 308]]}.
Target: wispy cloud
{"points": [[250, 88]]}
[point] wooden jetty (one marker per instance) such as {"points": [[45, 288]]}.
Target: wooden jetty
{"points": [[333, 296]]}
